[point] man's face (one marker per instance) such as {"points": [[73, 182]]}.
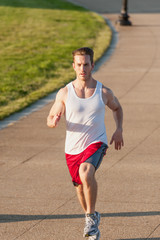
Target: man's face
{"points": [[83, 67]]}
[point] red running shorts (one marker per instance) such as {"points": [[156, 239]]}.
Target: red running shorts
{"points": [[93, 154]]}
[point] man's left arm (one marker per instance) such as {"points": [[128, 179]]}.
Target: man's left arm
{"points": [[112, 102]]}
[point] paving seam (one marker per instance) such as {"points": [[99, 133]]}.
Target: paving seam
{"points": [[153, 232], [45, 218], [138, 144], [25, 161]]}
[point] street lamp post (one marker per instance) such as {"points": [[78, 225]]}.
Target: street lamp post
{"points": [[124, 17]]}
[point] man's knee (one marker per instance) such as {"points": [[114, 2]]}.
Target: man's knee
{"points": [[86, 173]]}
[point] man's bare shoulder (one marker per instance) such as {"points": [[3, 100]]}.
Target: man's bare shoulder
{"points": [[107, 94], [62, 94], [106, 90]]}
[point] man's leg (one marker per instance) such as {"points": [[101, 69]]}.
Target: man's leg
{"points": [[89, 187], [89, 184], [81, 197]]}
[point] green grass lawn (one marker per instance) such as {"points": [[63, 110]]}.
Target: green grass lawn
{"points": [[37, 38]]}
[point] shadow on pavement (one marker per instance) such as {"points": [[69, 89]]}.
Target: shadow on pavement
{"points": [[140, 238], [4, 218]]}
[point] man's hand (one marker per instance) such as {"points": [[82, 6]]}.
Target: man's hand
{"points": [[53, 121], [117, 138]]}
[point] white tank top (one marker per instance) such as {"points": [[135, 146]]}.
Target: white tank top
{"points": [[84, 120]]}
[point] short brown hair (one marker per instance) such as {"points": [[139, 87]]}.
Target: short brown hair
{"points": [[84, 51]]}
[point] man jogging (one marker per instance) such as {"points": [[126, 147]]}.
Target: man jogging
{"points": [[83, 102]]}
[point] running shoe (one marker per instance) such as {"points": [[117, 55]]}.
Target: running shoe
{"points": [[95, 237], [92, 223]]}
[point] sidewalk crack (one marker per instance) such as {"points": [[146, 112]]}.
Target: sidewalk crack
{"points": [[153, 231]]}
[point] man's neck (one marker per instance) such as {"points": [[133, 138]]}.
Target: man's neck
{"points": [[81, 84]]}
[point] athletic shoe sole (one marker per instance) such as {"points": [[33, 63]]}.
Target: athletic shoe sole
{"points": [[87, 235], [95, 237]]}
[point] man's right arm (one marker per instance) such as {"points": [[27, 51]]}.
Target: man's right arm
{"points": [[57, 109]]}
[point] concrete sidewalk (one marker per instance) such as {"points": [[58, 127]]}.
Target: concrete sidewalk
{"points": [[37, 199]]}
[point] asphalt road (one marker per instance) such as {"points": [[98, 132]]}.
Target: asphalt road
{"points": [[114, 6]]}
